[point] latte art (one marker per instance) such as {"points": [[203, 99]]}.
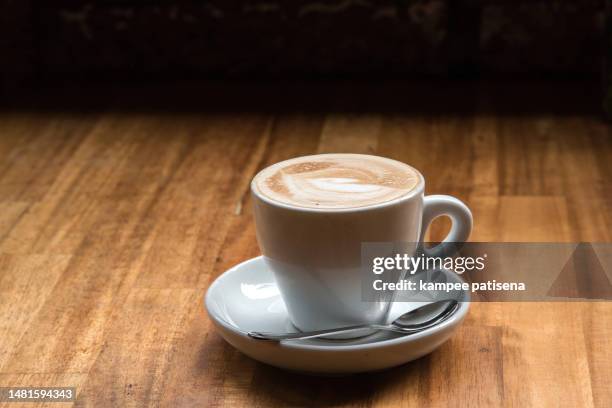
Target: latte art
{"points": [[336, 181]]}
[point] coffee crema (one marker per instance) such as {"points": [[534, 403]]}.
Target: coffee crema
{"points": [[336, 181]]}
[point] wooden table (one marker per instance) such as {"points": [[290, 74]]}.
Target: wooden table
{"points": [[114, 220]]}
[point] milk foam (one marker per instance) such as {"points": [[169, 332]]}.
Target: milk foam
{"points": [[336, 181]]}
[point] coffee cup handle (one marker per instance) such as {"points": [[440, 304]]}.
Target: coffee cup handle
{"points": [[461, 217]]}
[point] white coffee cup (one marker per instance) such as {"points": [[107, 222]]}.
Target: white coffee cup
{"points": [[315, 253]]}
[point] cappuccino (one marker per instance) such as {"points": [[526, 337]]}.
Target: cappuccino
{"points": [[334, 181]]}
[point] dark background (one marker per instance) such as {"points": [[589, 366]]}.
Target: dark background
{"points": [[127, 42]]}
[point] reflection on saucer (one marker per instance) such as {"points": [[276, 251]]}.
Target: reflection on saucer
{"points": [[259, 291]]}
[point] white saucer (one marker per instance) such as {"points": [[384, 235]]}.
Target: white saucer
{"points": [[245, 298]]}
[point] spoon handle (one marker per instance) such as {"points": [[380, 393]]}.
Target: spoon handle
{"points": [[308, 335]]}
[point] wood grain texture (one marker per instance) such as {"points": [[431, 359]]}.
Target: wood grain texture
{"points": [[113, 224]]}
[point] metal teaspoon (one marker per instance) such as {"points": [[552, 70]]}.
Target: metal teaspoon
{"points": [[403, 324]]}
